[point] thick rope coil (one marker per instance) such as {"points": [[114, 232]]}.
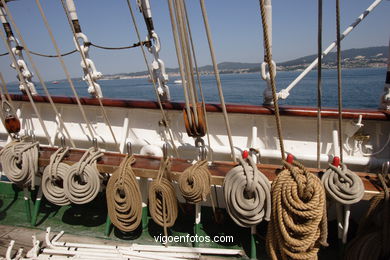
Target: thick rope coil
{"points": [[195, 182], [19, 160], [53, 178], [83, 180], [298, 223], [163, 206], [343, 185], [124, 201], [247, 194]]}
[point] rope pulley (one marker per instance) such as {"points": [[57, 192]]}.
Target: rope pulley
{"points": [[193, 128], [11, 120]]}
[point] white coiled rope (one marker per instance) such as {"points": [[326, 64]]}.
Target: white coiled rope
{"points": [[19, 160], [343, 185], [247, 194], [53, 178], [83, 180]]}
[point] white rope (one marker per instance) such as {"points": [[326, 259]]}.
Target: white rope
{"points": [[61, 59], [217, 77], [166, 123], [47, 93], [23, 81], [87, 64]]}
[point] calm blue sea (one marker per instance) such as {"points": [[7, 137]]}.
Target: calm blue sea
{"points": [[362, 88]]}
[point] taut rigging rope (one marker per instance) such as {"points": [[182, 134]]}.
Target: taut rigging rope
{"points": [[83, 181], [195, 182], [247, 194], [163, 206], [19, 160], [61, 121], [319, 88], [339, 87], [166, 123], [298, 223], [53, 178], [67, 74], [217, 77], [123, 195], [268, 58], [84, 59]]}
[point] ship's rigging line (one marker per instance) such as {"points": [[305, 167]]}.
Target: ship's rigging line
{"points": [[319, 88], [339, 86], [5, 99], [24, 82], [84, 59], [217, 77], [268, 58], [62, 125], [165, 123], [67, 74], [86, 44]]}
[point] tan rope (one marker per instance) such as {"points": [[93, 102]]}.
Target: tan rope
{"points": [[217, 77], [298, 223], [19, 160], [339, 87], [67, 74], [124, 201], [268, 59], [166, 123], [83, 180], [53, 178], [104, 112], [163, 206], [247, 194], [195, 182], [4, 91]]}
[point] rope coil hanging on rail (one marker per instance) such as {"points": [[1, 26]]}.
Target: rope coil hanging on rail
{"points": [[195, 182], [83, 181], [19, 160], [247, 194], [163, 205], [298, 223], [343, 185], [124, 201], [53, 178]]}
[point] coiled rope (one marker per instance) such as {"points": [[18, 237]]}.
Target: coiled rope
{"points": [[343, 185], [195, 182], [247, 194], [53, 178], [83, 180], [298, 223], [123, 195], [19, 160], [163, 206]]}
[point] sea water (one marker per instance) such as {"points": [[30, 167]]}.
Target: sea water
{"points": [[361, 88]]}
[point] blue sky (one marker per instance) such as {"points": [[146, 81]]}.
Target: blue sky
{"points": [[235, 25]]}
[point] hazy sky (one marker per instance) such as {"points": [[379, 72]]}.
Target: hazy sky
{"points": [[235, 25]]}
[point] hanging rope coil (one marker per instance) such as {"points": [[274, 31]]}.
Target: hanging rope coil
{"points": [[83, 181], [195, 182], [343, 185], [163, 206], [298, 223], [19, 160], [247, 194], [53, 178], [123, 195]]}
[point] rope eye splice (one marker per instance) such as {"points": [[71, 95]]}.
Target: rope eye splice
{"points": [[163, 205], [83, 181], [124, 201], [298, 225], [19, 160], [247, 194], [54, 176]]}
